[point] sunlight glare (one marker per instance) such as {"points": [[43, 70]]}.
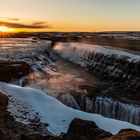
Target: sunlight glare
{"points": [[6, 29]]}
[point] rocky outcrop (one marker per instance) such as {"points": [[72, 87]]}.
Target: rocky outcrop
{"points": [[87, 130], [84, 130], [11, 70]]}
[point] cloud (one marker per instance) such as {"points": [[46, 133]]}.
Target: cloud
{"points": [[38, 23], [11, 19], [35, 25]]}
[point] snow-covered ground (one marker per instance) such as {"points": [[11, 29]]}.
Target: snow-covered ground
{"points": [[25, 103], [130, 36]]}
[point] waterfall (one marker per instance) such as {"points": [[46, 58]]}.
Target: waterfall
{"points": [[69, 100], [114, 109], [113, 65], [105, 62]]}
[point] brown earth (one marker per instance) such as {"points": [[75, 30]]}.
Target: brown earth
{"points": [[12, 130]]}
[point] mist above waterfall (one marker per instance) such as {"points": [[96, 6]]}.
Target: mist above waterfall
{"points": [[105, 62]]}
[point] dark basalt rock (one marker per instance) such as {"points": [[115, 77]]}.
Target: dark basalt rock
{"points": [[87, 130], [10, 70], [84, 130]]}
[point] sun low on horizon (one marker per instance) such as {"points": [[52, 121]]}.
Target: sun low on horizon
{"points": [[5, 29], [69, 15]]}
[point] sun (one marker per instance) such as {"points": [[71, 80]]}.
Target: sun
{"points": [[5, 29], [6, 32]]}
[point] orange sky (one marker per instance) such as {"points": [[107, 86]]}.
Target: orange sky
{"points": [[70, 15]]}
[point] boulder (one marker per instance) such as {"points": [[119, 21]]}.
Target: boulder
{"points": [[11, 70], [84, 130], [87, 130]]}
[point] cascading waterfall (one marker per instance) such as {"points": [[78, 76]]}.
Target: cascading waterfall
{"points": [[114, 109], [111, 64], [108, 63], [69, 101]]}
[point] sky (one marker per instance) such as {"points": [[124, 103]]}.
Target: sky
{"points": [[71, 15]]}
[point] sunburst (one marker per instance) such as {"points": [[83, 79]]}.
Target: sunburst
{"points": [[6, 31]]}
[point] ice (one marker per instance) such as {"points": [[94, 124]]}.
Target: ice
{"points": [[51, 111]]}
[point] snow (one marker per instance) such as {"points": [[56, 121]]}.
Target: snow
{"points": [[130, 36], [51, 111]]}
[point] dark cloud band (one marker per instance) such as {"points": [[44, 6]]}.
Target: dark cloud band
{"points": [[36, 25]]}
